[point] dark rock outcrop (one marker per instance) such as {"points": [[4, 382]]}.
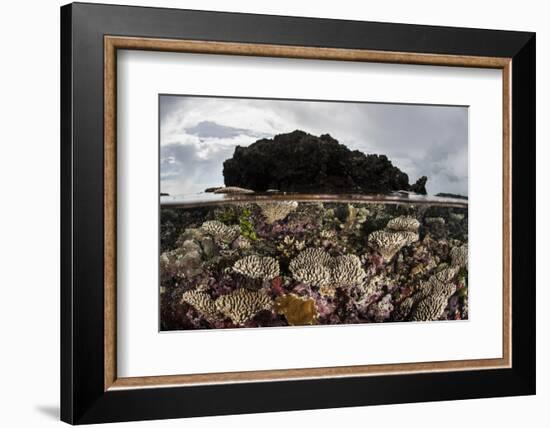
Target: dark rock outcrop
{"points": [[420, 186], [300, 162]]}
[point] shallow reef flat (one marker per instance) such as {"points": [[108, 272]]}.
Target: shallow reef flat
{"points": [[274, 263]]}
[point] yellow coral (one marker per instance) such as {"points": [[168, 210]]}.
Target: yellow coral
{"points": [[297, 310]]}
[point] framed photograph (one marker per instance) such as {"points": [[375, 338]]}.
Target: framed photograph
{"points": [[265, 213]]}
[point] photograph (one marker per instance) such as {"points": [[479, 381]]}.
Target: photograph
{"points": [[282, 212]]}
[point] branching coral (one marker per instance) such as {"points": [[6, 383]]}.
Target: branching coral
{"points": [[403, 223], [388, 243], [459, 256], [202, 302], [257, 267], [242, 305], [220, 231], [278, 210], [297, 310], [314, 266]]}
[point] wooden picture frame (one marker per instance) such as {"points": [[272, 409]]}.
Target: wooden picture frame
{"points": [[91, 390]]}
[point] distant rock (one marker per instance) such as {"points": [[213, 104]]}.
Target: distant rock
{"points": [[451, 195], [230, 190], [420, 186], [300, 162]]}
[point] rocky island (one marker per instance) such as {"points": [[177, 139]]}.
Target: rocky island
{"points": [[303, 163]]}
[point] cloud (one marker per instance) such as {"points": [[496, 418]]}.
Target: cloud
{"points": [[209, 129], [199, 133]]}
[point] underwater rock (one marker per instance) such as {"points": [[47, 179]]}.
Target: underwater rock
{"points": [[257, 267], [241, 243], [180, 263], [436, 227], [277, 210], [297, 310], [209, 247], [220, 231], [242, 305], [381, 310], [314, 266], [301, 162]]}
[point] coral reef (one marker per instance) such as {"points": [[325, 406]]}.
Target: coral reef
{"points": [[262, 263], [257, 267]]}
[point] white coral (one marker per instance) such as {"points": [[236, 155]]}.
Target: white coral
{"points": [[277, 210], [314, 266], [242, 305], [388, 243], [220, 231], [257, 267], [459, 256], [403, 223]]}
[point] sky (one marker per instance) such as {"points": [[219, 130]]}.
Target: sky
{"points": [[198, 133]]}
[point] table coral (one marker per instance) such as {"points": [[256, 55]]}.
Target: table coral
{"points": [[257, 267], [202, 302], [388, 243], [220, 231], [434, 295], [347, 270], [242, 305], [404, 223], [278, 210], [314, 266]]}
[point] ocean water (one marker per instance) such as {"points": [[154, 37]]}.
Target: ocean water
{"points": [[274, 260]]}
